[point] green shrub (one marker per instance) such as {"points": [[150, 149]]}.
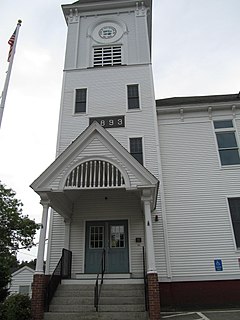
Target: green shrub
{"points": [[17, 307]]}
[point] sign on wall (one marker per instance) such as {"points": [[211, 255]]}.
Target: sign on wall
{"points": [[109, 122], [218, 265]]}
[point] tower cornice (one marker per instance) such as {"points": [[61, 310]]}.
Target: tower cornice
{"points": [[83, 6]]}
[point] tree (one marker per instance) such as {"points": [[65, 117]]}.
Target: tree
{"points": [[17, 231]]}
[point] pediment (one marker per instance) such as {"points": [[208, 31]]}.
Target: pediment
{"points": [[94, 160]]}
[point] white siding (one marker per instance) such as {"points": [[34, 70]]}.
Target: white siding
{"points": [[56, 241], [134, 41], [196, 188], [119, 205], [22, 277], [107, 95]]}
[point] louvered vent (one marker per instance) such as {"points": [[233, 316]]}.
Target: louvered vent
{"points": [[95, 174], [107, 56]]}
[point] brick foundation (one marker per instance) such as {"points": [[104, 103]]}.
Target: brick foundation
{"points": [[197, 295], [153, 296], [38, 292]]}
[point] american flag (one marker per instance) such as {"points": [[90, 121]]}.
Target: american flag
{"points": [[11, 43]]}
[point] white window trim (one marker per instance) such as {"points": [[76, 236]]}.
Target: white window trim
{"points": [[143, 146], [237, 250], [77, 114], [233, 129], [139, 95]]}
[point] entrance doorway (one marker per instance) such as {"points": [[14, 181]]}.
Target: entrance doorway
{"points": [[111, 236]]}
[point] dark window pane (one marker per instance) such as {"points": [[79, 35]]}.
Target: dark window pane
{"points": [[229, 157], [136, 149], [81, 100], [133, 96], [234, 205], [226, 140], [80, 107], [223, 124]]}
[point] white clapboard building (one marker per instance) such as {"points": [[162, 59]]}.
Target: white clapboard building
{"points": [[150, 186], [21, 281]]}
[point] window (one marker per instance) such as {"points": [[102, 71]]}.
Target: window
{"points": [[227, 143], [117, 237], [24, 289], [81, 100], [107, 56], [234, 205], [96, 237], [136, 149], [133, 96]]}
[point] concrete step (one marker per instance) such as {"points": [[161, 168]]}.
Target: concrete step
{"points": [[103, 300], [102, 308], [96, 316], [104, 293], [75, 301]]}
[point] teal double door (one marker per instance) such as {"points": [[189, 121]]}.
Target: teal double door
{"points": [[111, 236]]}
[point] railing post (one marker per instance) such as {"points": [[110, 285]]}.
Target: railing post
{"points": [[96, 290], [58, 275], [145, 281]]}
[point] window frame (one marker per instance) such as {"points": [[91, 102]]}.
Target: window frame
{"points": [[237, 246], [223, 130], [22, 289], [75, 101], [143, 153], [127, 98]]}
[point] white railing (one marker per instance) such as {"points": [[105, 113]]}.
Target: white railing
{"points": [[95, 174]]}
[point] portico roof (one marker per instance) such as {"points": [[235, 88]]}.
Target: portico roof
{"points": [[98, 147]]}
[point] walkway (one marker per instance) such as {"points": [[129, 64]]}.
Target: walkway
{"points": [[203, 315]]}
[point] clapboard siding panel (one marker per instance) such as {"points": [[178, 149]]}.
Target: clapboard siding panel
{"points": [[105, 102], [22, 277], [196, 188], [57, 240], [120, 205]]}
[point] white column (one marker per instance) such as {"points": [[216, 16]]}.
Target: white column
{"points": [[42, 238], [67, 234], [151, 266]]}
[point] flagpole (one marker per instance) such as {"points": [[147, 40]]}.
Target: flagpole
{"points": [[5, 89]]}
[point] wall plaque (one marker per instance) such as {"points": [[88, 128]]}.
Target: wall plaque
{"points": [[109, 122]]}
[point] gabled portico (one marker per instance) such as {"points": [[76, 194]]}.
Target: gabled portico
{"points": [[100, 191]]}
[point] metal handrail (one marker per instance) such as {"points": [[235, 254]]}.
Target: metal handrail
{"points": [[145, 281], [62, 271], [97, 288]]}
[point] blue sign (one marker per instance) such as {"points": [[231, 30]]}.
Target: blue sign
{"points": [[218, 265]]}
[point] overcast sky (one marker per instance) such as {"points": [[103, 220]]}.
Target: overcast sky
{"points": [[196, 51]]}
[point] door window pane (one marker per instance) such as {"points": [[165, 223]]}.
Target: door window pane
{"points": [[96, 237], [117, 237]]}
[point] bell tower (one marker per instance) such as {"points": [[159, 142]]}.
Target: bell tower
{"points": [[103, 185], [108, 75]]}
